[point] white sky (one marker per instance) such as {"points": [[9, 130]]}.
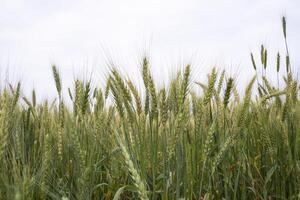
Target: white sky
{"points": [[81, 36]]}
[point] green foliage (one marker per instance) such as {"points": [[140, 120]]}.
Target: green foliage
{"points": [[158, 143]]}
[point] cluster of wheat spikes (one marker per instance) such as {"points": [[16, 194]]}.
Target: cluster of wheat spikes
{"points": [[169, 143]]}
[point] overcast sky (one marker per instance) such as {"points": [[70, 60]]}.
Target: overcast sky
{"points": [[80, 37]]}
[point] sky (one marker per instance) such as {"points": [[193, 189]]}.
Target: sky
{"points": [[83, 38]]}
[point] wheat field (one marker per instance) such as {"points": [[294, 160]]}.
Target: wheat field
{"points": [[170, 142]]}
